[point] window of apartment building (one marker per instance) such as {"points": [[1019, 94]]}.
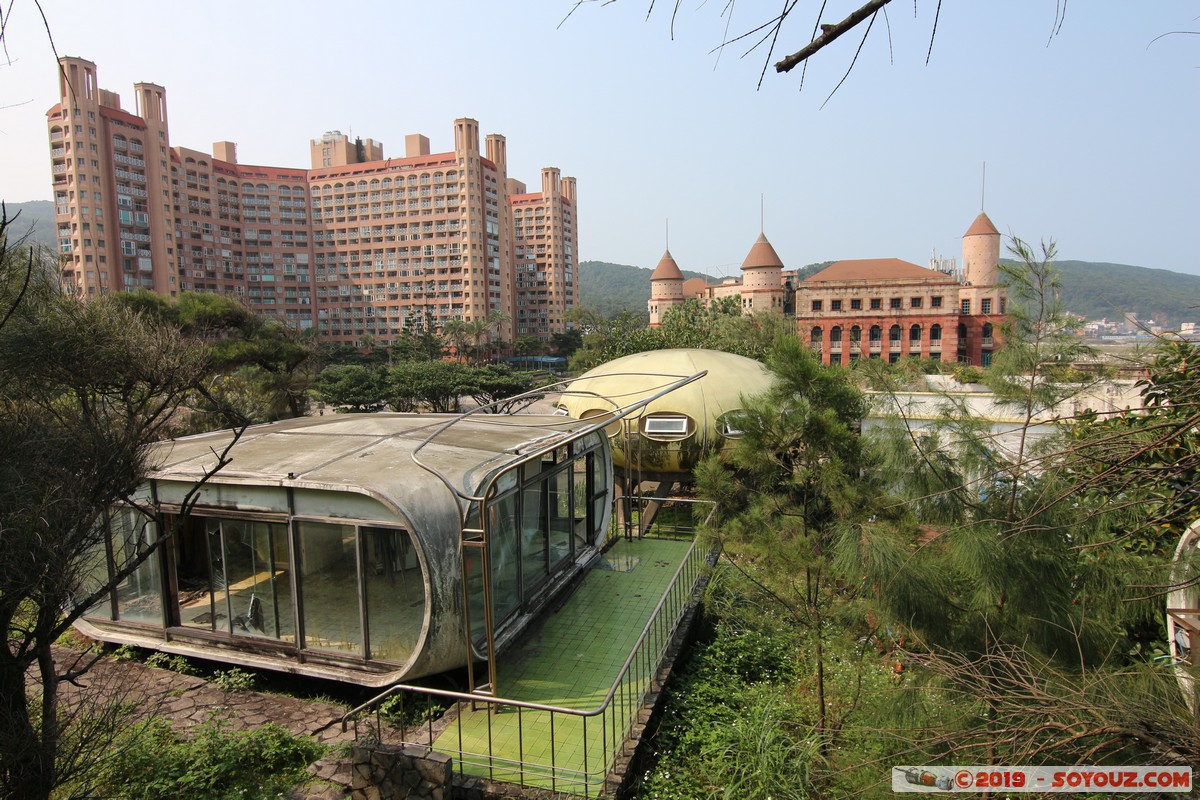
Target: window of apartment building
{"points": [[985, 305], [876, 303], [894, 303], [1003, 301], [816, 305], [915, 302], [966, 306], [935, 302], [856, 304], [835, 305]]}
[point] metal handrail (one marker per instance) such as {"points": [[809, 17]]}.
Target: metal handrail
{"points": [[613, 735], [400, 687], [639, 674]]}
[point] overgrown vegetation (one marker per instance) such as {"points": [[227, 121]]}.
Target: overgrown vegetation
{"points": [[930, 595], [258, 367], [909, 596], [740, 718], [152, 761], [437, 386], [721, 326], [85, 388]]}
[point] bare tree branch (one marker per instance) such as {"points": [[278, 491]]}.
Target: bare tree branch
{"points": [[830, 34], [853, 61]]}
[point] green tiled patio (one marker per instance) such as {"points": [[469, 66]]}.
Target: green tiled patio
{"points": [[569, 660]]}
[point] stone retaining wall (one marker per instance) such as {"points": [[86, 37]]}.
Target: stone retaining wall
{"points": [[384, 772]]}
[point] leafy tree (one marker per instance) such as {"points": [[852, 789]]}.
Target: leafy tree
{"points": [[691, 324], [260, 366], [84, 389], [790, 491], [492, 383], [529, 346], [1148, 460], [336, 353], [1040, 344], [995, 575], [417, 341], [607, 339], [435, 386], [1027, 573], [355, 386], [458, 335], [565, 343], [486, 334]]}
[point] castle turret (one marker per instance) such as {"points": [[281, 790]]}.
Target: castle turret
{"points": [[666, 288], [762, 278], [982, 302], [981, 253]]}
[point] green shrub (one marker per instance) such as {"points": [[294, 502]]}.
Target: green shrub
{"points": [[174, 663], [412, 711], [233, 680], [154, 762], [125, 652], [967, 374], [739, 715]]}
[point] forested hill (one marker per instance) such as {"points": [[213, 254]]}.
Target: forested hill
{"points": [[1096, 290], [1093, 290], [613, 288], [35, 218]]}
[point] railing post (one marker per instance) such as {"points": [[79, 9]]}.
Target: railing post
{"points": [[604, 742], [458, 719], [553, 760], [586, 772], [491, 759]]}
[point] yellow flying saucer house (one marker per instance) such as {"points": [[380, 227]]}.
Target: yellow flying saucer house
{"points": [[673, 433]]}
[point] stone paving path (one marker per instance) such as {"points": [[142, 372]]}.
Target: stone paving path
{"points": [[188, 701]]}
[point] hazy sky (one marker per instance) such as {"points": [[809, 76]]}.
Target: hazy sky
{"points": [[1090, 136]]}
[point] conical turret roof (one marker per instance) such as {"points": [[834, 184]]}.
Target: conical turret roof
{"points": [[762, 254], [667, 269], [982, 226]]}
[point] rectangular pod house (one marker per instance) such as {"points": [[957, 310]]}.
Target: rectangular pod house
{"points": [[358, 548]]}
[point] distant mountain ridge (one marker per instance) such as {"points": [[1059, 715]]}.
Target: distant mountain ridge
{"points": [[1092, 290], [1097, 290], [35, 218]]}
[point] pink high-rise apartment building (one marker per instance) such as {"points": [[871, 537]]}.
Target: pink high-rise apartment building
{"points": [[357, 246]]}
